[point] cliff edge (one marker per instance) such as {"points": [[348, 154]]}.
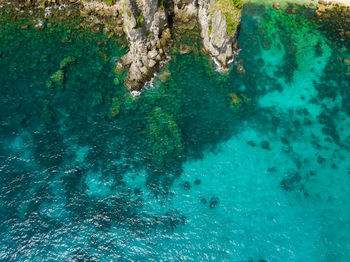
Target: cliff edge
{"points": [[148, 24]]}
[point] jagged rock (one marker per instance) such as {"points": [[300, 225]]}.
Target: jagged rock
{"points": [[240, 68], [152, 54], [219, 23], [163, 76], [147, 25], [158, 58], [152, 63]]}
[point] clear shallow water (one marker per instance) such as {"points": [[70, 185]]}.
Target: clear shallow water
{"points": [[179, 174]]}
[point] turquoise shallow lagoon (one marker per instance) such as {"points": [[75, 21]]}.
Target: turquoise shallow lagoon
{"points": [[203, 166]]}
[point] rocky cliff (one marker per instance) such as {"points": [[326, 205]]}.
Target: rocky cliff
{"points": [[147, 25]]}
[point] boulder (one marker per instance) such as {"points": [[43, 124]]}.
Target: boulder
{"points": [[152, 63], [152, 54]]}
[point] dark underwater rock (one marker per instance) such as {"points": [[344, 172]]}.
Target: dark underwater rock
{"points": [[272, 170], [203, 201], [290, 182], [321, 160], [197, 182], [251, 143], [240, 68], [187, 185], [67, 61], [56, 79], [265, 145], [137, 191], [214, 201], [284, 141]]}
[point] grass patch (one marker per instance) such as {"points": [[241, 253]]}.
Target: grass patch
{"points": [[109, 2], [139, 21], [231, 9]]}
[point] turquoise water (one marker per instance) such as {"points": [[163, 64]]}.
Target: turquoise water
{"points": [[203, 166]]}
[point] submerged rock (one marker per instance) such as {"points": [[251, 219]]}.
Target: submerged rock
{"points": [[163, 76], [272, 170], [197, 182], [164, 139], [56, 79], [290, 182], [265, 145], [251, 143], [214, 201], [116, 106], [184, 49], [321, 160], [240, 68], [187, 185], [137, 191], [67, 61]]}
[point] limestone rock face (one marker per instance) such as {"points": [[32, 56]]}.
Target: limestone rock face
{"points": [[144, 25], [148, 23], [186, 12], [217, 41]]}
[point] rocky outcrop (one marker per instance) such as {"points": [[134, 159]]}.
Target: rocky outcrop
{"points": [[147, 29], [334, 19], [148, 24], [219, 20]]}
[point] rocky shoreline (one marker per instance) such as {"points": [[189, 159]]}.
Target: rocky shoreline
{"points": [[148, 26]]}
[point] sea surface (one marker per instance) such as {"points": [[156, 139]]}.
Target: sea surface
{"points": [[202, 166]]}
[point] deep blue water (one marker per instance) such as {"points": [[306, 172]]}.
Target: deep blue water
{"points": [[203, 166]]}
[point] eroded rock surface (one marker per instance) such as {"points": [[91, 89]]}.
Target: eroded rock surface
{"points": [[147, 25]]}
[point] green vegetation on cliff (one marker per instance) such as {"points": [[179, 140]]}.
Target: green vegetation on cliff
{"points": [[109, 2], [231, 9]]}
